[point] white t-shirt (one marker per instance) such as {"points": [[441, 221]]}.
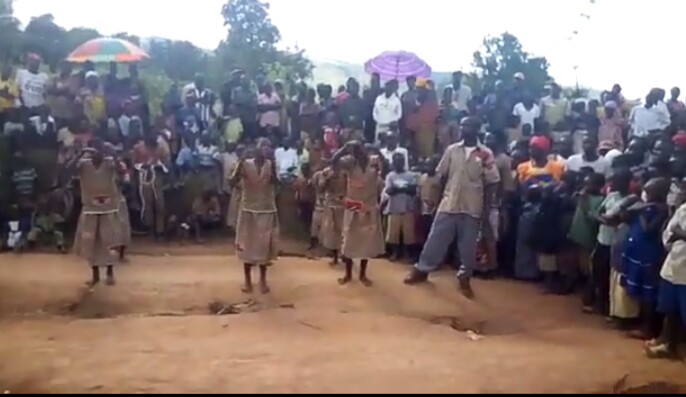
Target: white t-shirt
{"points": [[527, 116], [644, 120], [33, 87], [576, 162], [461, 97], [286, 159], [387, 110], [388, 155]]}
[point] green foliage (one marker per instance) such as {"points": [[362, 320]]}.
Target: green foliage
{"points": [[503, 56], [43, 36], [10, 34], [180, 60], [252, 41], [128, 37]]}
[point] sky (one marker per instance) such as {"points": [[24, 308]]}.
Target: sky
{"points": [[610, 46]]}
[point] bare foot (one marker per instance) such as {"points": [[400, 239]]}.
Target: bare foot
{"points": [[345, 280], [92, 283], [247, 289], [110, 281], [366, 282], [264, 288], [466, 289]]}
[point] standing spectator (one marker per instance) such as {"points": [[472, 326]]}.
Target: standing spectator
{"points": [[663, 115], [387, 109], [674, 104], [392, 147], [9, 93], [61, 94], [462, 93], [92, 99], [309, 117], [245, 100], [555, 108], [470, 177], [269, 108], [351, 112], [589, 158], [527, 111], [427, 128], [408, 123], [401, 192], [645, 118], [205, 99], [612, 126], [287, 162], [370, 96], [32, 84]]}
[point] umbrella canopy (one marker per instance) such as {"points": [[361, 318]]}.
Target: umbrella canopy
{"points": [[398, 65], [107, 49]]}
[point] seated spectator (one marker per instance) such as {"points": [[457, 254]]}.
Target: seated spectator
{"points": [[206, 212]]}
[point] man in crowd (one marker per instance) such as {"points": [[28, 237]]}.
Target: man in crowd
{"points": [[32, 84], [462, 93], [387, 109]]}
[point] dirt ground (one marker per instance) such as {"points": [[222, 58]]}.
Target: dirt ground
{"points": [[157, 331]]}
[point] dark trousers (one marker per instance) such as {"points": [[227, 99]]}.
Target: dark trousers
{"points": [[597, 293]]}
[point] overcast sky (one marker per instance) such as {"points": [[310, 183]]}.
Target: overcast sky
{"points": [[612, 46]]}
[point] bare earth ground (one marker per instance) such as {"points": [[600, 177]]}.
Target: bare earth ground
{"points": [[153, 332]]}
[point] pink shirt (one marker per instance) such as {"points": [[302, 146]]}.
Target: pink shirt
{"points": [[270, 118]]}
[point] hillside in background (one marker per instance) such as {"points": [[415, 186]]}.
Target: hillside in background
{"points": [[337, 72]]}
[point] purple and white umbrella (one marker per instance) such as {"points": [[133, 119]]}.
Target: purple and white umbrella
{"points": [[398, 65]]}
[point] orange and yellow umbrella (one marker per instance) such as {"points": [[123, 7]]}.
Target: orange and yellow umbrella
{"points": [[107, 49]]}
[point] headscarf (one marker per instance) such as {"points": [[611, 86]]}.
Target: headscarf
{"points": [[540, 142], [421, 83], [679, 140]]}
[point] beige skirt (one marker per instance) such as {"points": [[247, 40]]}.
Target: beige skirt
{"points": [[257, 236], [622, 305], [362, 234], [96, 235], [124, 224], [317, 222], [332, 228], [234, 205]]}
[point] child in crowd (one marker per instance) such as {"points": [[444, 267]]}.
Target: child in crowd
{"points": [[400, 191], [205, 213], [548, 238], [24, 192], [316, 186], [231, 125], [430, 190], [47, 223], [333, 183], [526, 264], [583, 233], [643, 253], [672, 290]]}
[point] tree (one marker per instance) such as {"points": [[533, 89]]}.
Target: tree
{"points": [[252, 41], [128, 37], [77, 36], [10, 34], [43, 36], [180, 60], [503, 56]]}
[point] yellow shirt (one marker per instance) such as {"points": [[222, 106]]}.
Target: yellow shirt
{"points": [[11, 87], [94, 106]]}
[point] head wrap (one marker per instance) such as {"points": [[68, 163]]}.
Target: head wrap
{"points": [[421, 83], [540, 142], [679, 140], [92, 73], [519, 76], [611, 105]]}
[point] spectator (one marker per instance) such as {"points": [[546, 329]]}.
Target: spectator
{"points": [[555, 108], [387, 109], [527, 111], [33, 84]]}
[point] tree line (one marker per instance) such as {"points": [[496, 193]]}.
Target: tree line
{"points": [[250, 44]]}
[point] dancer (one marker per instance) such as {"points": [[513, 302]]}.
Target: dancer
{"points": [[98, 228], [334, 186], [258, 225], [362, 235], [470, 178]]}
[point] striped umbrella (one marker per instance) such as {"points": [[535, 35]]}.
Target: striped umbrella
{"points": [[398, 65], [107, 49]]}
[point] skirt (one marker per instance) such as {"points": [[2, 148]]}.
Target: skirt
{"points": [[362, 234], [234, 205], [257, 236], [124, 224], [96, 235], [425, 141], [671, 299], [622, 305], [332, 228], [317, 222]]}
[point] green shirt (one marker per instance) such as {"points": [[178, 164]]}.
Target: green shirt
{"points": [[584, 229]]}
